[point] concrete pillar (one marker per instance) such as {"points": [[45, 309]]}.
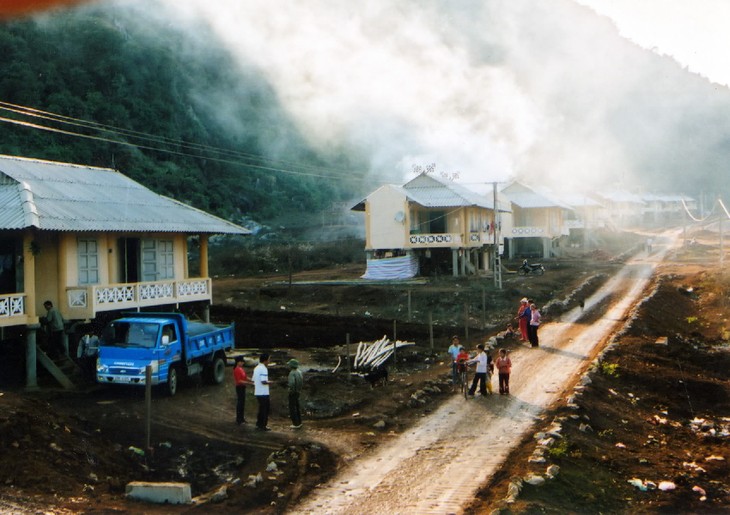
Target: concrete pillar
{"points": [[206, 313], [546, 248], [455, 262], [31, 378], [204, 255]]}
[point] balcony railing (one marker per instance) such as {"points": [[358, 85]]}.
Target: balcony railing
{"points": [[434, 240], [12, 309], [87, 301]]}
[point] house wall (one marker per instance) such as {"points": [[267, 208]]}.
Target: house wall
{"points": [[47, 267], [382, 229]]}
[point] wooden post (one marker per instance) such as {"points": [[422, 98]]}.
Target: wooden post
{"points": [[395, 338], [430, 328], [466, 322], [409, 305], [347, 356], [484, 309], [148, 405]]}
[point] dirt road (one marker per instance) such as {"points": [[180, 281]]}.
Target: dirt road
{"points": [[438, 465]]}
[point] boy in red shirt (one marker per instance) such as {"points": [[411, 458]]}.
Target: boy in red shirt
{"points": [[241, 380]]}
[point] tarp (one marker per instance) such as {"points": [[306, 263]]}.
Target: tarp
{"points": [[404, 267]]}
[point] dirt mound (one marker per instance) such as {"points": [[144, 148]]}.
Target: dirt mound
{"points": [[652, 422]]}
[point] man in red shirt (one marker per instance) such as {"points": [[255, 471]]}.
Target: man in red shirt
{"points": [[241, 380]]}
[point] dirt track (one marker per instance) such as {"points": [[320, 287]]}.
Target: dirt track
{"points": [[438, 465]]}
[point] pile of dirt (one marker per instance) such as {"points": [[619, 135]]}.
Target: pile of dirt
{"points": [[85, 446], [648, 428]]}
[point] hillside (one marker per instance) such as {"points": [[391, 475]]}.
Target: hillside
{"points": [[165, 104]]}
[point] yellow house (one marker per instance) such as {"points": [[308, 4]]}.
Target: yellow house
{"points": [[91, 240], [538, 222], [428, 225]]}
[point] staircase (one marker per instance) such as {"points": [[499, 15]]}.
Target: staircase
{"points": [[62, 369]]}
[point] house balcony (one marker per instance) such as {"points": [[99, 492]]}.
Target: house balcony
{"points": [[86, 302], [538, 231], [12, 310], [435, 240]]}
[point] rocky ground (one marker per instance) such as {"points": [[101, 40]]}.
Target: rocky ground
{"points": [[654, 410]]}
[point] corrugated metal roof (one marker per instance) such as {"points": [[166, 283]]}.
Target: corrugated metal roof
{"points": [[71, 197], [431, 191], [527, 197]]}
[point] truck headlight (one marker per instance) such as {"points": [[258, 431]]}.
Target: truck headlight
{"points": [[101, 368]]}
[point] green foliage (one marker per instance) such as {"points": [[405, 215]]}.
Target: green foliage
{"points": [[132, 72], [559, 449], [610, 369], [691, 320]]}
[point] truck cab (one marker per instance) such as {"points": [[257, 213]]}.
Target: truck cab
{"points": [[169, 343]]}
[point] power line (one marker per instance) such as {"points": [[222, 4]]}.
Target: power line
{"points": [[227, 156]]}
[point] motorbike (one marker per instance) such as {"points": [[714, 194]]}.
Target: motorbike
{"points": [[530, 268]]}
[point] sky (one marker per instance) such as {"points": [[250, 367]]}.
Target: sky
{"points": [[486, 90], [695, 33]]}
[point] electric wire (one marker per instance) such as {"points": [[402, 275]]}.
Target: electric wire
{"points": [[227, 156]]}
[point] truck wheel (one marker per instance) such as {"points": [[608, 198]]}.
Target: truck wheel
{"points": [[217, 371], [172, 381]]}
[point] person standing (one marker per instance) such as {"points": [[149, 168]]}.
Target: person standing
{"points": [[296, 382], [454, 353], [504, 369], [261, 392], [523, 321], [240, 379], [534, 325], [54, 326], [482, 361]]}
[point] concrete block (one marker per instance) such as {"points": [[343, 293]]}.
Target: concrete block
{"points": [[160, 493]]}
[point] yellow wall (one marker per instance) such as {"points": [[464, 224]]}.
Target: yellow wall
{"points": [[383, 230], [46, 270]]}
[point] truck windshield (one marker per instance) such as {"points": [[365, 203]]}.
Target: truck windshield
{"points": [[131, 334]]}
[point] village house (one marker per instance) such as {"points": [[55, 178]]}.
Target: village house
{"points": [[538, 222], [429, 225], [92, 241]]}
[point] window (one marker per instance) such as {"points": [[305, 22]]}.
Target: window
{"points": [[88, 254], [157, 260]]}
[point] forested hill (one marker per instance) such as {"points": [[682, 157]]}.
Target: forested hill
{"points": [[163, 86]]}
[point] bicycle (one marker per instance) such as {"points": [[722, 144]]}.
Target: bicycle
{"points": [[463, 378]]}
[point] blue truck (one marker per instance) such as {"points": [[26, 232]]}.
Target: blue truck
{"points": [[174, 347]]}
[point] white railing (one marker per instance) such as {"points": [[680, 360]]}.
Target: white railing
{"points": [[434, 240], [527, 231], [93, 299], [12, 305]]}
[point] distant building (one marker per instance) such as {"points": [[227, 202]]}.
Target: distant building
{"points": [[538, 221], [429, 225], [92, 240]]}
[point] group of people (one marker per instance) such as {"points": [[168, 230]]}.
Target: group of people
{"points": [[529, 317], [260, 382], [484, 367]]}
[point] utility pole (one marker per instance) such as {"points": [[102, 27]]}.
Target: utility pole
{"points": [[497, 228]]}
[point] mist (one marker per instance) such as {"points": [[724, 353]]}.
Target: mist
{"points": [[549, 93]]}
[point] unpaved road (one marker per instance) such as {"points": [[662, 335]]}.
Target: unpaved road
{"points": [[438, 465]]}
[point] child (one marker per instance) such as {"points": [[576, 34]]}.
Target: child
{"points": [[461, 360], [504, 367]]}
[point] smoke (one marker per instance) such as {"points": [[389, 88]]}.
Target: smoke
{"points": [[548, 92]]}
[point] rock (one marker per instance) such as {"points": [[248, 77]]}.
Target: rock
{"points": [[535, 480], [272, 466], [380, 424], [552, 471], [254, 480], [219, 495]]}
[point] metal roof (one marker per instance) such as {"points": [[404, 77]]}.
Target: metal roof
{"points": [[430, 191], [528, 197], [66, 197]]}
